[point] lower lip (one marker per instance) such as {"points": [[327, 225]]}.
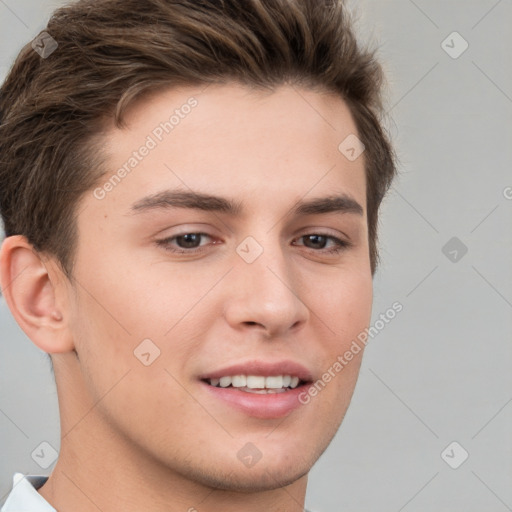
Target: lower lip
{"points": [[265, 406]]}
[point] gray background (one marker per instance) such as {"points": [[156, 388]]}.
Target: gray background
{"points": [[441, 370]]}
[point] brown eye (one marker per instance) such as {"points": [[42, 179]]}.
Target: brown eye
{"points": [[185, 243], [318, 242]]}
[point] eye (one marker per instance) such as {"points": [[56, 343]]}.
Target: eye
{"points": [[318, 239], [188, 243]]}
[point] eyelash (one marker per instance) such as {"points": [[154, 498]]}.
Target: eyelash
{"points": [[166, 244]]}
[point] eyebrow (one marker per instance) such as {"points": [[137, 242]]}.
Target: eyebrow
{"points": [[341, 203]]}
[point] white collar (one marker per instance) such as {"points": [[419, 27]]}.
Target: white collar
{"points": [[24, 496]]}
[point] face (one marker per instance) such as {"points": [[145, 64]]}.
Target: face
{"points": [[263, 278]]}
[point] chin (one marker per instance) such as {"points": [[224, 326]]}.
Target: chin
{"points": [[248, 480]]}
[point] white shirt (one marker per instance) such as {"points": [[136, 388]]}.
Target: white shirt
{"points": [[24, 496]]}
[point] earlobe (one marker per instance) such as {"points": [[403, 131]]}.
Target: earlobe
{"points": [[34, 296]]}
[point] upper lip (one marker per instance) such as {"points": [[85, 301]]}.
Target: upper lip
{"points": [[263, 368]]}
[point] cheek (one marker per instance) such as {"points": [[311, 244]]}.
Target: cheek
{"points": [[122, 302], [347, 304], [120, 314], [347, 307]]}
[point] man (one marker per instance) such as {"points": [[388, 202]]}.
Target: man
{"points": [[190, 194]]}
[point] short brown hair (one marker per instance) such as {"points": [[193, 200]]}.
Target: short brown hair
{"points": [[53, 110]]}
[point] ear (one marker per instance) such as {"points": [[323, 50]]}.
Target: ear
{"points": [[35, 292]]}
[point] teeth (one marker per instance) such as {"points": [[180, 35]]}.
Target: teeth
{"points": [[225, 382], [254, 382], [264, 391], [251, 382], [239, 381], [274, 382]]}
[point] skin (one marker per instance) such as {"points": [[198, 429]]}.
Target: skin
{"points": [[150, 437]]}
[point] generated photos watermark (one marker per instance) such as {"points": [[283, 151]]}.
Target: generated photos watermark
{"points": [[156, 136], [343, 360]]}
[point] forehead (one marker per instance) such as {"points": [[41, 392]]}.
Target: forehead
{"points": [[233, 141]]}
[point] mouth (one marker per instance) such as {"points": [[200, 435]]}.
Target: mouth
{"points": [[259, 389], [257, 384]]}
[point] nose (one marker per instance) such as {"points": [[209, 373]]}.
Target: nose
{"points": [[265, 294]]}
